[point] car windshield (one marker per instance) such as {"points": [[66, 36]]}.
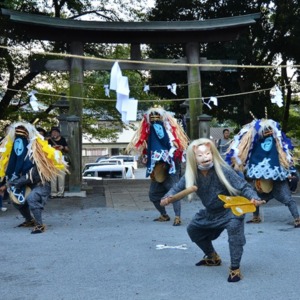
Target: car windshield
{"points": [[125, 158], [104, 174], [102, 157], [112, 174]]}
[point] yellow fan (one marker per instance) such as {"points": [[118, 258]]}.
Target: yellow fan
{"points": [[238, 204]]}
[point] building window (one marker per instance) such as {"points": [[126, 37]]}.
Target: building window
{"points": [[95, 152]]}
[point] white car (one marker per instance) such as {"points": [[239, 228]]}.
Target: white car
{"points": [[111, 161], [102, 163], [108, 172], [128, 160]]}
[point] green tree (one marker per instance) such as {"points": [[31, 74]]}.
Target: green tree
{"points": [[17, 78], [275, 38]]}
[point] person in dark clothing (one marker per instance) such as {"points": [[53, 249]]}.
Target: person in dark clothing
{"points": [[162, 142], [206, 169], [27, 166], [224, 142], [264, 152], [32, 208], [58, 142]]}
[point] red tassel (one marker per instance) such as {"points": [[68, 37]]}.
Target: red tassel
{"points": [[144, 133]]}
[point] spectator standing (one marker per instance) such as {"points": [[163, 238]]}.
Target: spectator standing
{"points": [[59, 143], [223, 143]]}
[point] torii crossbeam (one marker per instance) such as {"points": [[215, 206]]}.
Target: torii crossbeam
{"points": [[76, 33]]}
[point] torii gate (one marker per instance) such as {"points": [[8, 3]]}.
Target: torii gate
{"points": [[76, 33]]}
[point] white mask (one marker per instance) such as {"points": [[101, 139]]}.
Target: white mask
{"points": [[205, 168], [204, 157]]}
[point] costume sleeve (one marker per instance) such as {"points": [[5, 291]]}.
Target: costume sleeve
{"points": [[176, 188], [239, 183], [20, 182], [31, 178], [34, 175]]}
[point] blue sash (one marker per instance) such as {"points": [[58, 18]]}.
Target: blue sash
{"points": [[158, 147], [264, 161]]}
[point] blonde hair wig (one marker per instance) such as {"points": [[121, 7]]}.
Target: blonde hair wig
{"points": [[191, 172]]}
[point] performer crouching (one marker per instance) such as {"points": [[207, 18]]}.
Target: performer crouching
{"points": [[213, 176], [28, 163], [32, 208]]}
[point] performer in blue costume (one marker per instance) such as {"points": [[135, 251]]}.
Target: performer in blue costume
{"points": [[28, 163], [162, 142], [264, 151]]}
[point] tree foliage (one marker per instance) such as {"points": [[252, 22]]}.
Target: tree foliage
{"points": [[273, 40], [17, 78]]}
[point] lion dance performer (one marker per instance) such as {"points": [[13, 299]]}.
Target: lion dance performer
{"points": [[162, 142], [206, 170], [265, 153], [27, 164]]}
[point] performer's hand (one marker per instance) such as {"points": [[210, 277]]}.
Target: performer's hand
{"points": [[58, 147], [20, 182], [257, 202], [165, 201]]}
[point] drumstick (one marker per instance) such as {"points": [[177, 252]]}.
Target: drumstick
{"points": [[181, 194]]}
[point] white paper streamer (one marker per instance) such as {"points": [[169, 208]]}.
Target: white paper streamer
{"points": [[126, 107], [33, 100], [180, 247], [214, 100], [172, 88], [276, 96], [146, 89], [115, 74], [206, 103], [106, 90]]}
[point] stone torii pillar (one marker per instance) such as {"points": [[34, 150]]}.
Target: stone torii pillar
{"points": [[194, 88], [75, 110]]}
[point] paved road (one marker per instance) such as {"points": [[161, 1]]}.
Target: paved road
{"points": [[99, 249]]}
